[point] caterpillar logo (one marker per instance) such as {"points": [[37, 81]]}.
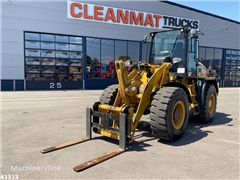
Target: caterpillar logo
{"points": [[111, 15]]}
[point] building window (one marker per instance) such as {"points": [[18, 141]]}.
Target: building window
{"points": [[202, 53], [133, 55], [102, 53], [217, 61], [121, 50], [238, 67], [133, 51], [145, 51], [50, 57], [232, 67], [93, 58], [32, 36], [209, 55], [212, 59], [107, 59]]}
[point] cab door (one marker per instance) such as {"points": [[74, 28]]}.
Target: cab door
{"points": [[192, 55]]}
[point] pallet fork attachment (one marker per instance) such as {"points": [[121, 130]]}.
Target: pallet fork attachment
{"points": [[89, 124]]}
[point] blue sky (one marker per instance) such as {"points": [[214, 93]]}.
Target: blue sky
{"points": [[226, 8]]}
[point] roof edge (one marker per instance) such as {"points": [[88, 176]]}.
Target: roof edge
{"points": [[199, 11]]}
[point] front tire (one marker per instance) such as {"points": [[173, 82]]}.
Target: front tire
{"points": [[107, 97], [169, 113], [109, 94]]}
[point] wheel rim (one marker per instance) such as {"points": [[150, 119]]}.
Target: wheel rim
{"points": [[211, 103], [178, 114]]}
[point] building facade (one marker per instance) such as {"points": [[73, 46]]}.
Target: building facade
{"points": [[52, 45]]}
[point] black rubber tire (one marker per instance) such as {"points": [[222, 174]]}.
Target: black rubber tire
{"points": [[161, 113], [109, 94], [204, 115]]}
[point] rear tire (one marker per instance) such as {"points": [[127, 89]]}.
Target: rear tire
{"points": [[169, 113], [109, 94], [208, 110]]}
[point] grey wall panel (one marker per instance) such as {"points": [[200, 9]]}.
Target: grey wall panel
{"points": [[12, 72], [13, 60], [218, 43], [41, 20], [51, 17], [12, 35], [12, 54], [28, 12], [13, 48]]}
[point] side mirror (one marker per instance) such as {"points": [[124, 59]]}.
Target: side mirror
{"points": [[193, 32], [144, 39]]}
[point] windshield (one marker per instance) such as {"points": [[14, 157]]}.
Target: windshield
{"points": [[163, 44]]}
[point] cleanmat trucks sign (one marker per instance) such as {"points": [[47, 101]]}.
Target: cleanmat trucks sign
{"points": [[112, 15]]}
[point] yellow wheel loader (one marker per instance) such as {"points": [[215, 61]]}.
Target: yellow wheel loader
{"points": [[167, 86]]}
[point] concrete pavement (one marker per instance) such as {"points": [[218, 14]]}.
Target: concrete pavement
{"points": [[33, 120]]}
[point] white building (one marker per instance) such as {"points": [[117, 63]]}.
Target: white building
{"points": [[72, 45]]}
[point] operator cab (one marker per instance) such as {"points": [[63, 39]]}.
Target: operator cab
{"points": [[167, 45], [178, 46]]}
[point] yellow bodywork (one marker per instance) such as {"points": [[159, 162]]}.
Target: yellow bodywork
{"points": [[134, 94]]}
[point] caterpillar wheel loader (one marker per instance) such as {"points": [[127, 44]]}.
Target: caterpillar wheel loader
{"points": [[167, 86]]}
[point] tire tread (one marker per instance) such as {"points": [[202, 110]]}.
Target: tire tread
{"points": [[203, 116], [158, 112], [109, 94]]}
